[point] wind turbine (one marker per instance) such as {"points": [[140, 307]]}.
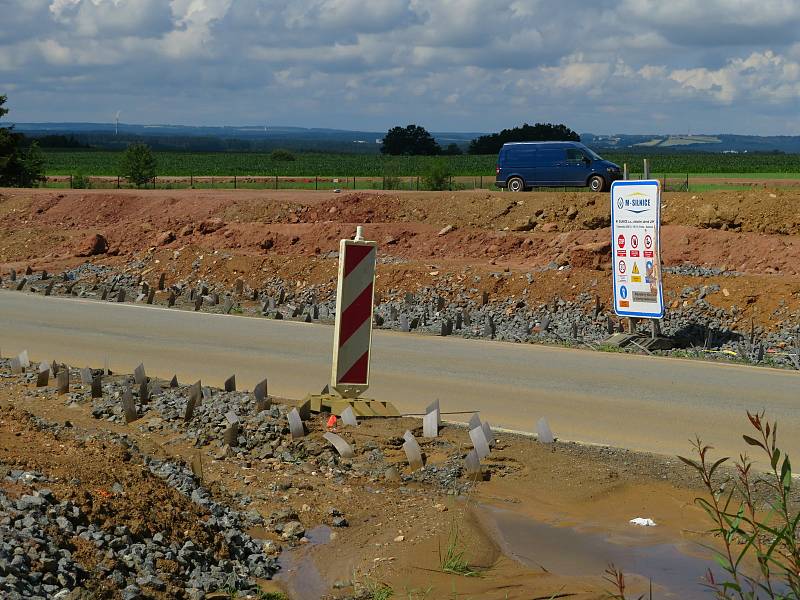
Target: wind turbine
{"points": [[116, 123]]}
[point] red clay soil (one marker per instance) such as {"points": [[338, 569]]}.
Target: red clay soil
{"points": [[425, 237]]}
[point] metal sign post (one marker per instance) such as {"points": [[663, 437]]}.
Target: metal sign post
{"points": [[354, 304], [635, 242]]}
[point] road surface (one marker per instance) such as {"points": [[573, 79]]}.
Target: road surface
{"points": [[636, 402]]}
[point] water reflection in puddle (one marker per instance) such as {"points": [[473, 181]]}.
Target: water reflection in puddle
{"points": [[299, 572], [567, 551]]}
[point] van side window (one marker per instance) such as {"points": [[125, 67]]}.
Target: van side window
{"points": [[574, 155]]}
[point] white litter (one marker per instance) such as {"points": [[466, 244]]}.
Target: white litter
{"points": [[642, 522]]}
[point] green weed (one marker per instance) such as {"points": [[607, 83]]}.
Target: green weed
{"points": [[453, 560], [770, 538]]}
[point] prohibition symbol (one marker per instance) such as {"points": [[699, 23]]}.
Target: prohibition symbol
{"points": [[634, 241], [622, 266], [621, 241], [648, 242]]}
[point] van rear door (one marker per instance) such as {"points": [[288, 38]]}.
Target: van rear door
{"points": [[521, 160]]}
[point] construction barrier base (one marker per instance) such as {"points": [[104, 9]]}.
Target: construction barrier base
{"points": [[362, 407]]}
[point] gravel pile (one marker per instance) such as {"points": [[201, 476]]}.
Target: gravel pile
{"points": [[39, 538], [694, 326]]}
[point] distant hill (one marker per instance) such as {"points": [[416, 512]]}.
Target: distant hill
{"points": [[261, 138], [223, 138], [697, 143]]}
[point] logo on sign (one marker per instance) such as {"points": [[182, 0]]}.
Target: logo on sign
{"points": [[619, 202], [621, 241], [648, 242], [634, 241], [623, 292], [622, 266]]}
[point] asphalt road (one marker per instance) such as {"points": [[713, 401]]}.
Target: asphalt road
{"points": [[637, 402]]}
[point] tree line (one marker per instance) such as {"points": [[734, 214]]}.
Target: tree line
{"points": [[414, 140]]}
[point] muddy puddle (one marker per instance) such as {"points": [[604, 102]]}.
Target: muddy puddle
{"points": [[299, 572], [569, 551]]}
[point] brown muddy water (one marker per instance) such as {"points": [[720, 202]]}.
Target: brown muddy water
{"points": [[298, 571], [568, 551]]}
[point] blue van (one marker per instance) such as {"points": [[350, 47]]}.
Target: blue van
{"points": [[523, 165]]}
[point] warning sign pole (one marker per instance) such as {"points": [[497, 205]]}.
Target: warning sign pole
{"points": [[352, 337]]}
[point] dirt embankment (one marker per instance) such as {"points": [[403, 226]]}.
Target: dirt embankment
{"points": [[471, 237]]}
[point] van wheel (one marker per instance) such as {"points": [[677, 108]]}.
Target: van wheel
{"points": [[597, 183], [515, 184]]}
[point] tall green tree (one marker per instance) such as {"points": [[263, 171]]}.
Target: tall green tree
{"points": [[138, 165], [541, 132], [21, 163], [411, 140]]}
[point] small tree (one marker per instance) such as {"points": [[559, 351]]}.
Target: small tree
{"points": [[138, 164], [452, 150], [410, 140], [438, 175], [21, 164]]}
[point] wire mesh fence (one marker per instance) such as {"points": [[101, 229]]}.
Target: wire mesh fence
{"points": [[274, 182]]}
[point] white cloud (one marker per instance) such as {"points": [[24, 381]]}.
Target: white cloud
{"points": [[762, 75], [470, 64]]}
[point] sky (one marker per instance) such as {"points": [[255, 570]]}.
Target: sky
{"points": [[606, 66]]}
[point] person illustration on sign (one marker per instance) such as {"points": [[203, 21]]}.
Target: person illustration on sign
{"points": [[652, 274]]}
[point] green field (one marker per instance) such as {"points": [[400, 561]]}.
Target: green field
{"points": [[104, 163]]}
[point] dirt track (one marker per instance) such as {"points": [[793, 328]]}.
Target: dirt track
{"points": [[286, 233]]}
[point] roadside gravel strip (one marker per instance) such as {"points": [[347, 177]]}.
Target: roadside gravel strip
{"points": [[692, 325], [42, 531]]}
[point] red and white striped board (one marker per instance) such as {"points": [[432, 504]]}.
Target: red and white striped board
{"points": [[352, 335]]}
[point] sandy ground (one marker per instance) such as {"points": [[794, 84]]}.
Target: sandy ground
{"points": [[570, 494]]}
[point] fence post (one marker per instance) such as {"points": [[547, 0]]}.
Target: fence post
{"points": [[646, 172], [191, 181], [316, 182], [625, 171], [212, 182], [383, 183], [70, 182], [234, 182], [481, 184], [276, 182], [451, 183], [417, 182], [354, 182]]}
